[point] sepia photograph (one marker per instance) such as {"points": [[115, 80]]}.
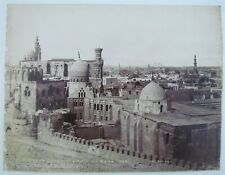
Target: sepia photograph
{"points": [[112, 88]]}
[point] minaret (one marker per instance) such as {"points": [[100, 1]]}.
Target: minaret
{"points": [[195, 64], [98, 70], [37, 50], [98, 54]]}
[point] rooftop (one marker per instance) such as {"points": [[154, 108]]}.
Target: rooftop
{"points": [[183, 114], [180, 114], [62, 59]]}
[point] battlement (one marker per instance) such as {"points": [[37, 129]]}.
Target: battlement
{"points": [[109, 151]]}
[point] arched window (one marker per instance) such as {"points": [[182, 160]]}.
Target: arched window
{"points": [[48, 68], [128, 130], [27, 91], [161, 108], [65, 70], [135, 137], [139, 136]]}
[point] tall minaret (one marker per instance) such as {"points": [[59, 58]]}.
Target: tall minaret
{"points": [[98, 54], [99, 62], [195, 61], [37, 50], [98, 70], [195, 64]]}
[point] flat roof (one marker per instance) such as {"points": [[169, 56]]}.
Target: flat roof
{"points": [[180, 114]]}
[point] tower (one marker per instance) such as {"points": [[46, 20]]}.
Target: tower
{"points": [[99, 63], [37, 55], [195, 65], [97, 81], [195, 62], [98, 54]]}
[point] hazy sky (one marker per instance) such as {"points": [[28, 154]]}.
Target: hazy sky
{"points": [[129, 34]]}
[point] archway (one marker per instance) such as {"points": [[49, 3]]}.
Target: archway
{"points": [[161, 108], [135, 137], [48, 68], [139, 136], [128, 130], [65, 70]]}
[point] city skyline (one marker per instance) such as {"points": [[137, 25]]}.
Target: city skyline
{"points": [[121, 30]]}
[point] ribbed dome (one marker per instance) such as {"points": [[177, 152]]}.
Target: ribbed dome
{"points": [[79, 69], [152, 92]]}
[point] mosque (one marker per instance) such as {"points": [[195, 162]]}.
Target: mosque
{"points": [[150, 124]]}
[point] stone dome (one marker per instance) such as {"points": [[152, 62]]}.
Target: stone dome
{"points": [[79, 69], [152, 92]]}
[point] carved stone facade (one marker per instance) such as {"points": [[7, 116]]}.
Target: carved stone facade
{"points": [[101, 110]]}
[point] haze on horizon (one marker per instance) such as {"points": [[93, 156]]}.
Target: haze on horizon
{"points": [[135, 35]]}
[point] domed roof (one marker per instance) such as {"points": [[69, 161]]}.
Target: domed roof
{"points": [[79, 69], [153, 92]]}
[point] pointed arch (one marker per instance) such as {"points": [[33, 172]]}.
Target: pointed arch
{"points": [[128, 130], [48, 68], [161, 108], [135, 136], [139, 136], [65, 70]]}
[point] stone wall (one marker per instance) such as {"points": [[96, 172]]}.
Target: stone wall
{"points": [[93, 132], [199, 142], [111, 131], [47, 135]]}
